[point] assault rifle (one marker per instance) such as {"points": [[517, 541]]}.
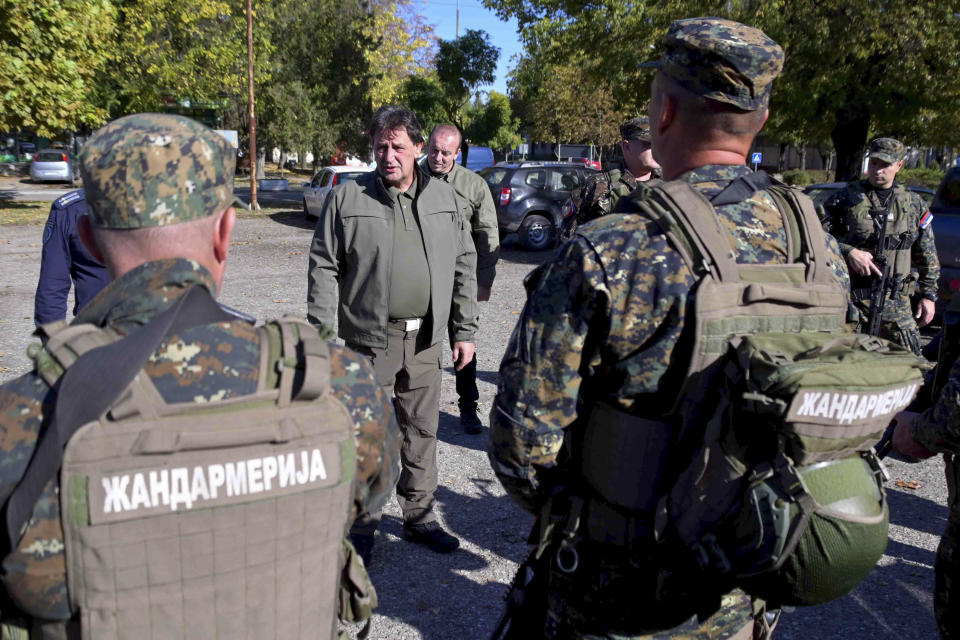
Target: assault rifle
{"points": [[881, 283]]}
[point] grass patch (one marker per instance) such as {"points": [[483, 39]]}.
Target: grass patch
{"points": [[16, 212]]}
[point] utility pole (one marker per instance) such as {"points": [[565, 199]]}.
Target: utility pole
{"points": [[458, 18], [253, 124]]}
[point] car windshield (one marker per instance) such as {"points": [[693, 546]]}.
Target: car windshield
{"points": [[49, 156], [949, 193]]}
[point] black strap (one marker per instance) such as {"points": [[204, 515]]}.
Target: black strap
{"points": [[742, 188], [91, 385]]}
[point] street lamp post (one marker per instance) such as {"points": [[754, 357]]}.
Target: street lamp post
{"points": [[252, 119]]}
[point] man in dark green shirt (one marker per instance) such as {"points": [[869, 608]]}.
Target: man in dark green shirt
{"points": [[392, 259]]}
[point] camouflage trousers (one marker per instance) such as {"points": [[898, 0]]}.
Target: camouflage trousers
{"points": [[603, 602], [898, 324], [947, 571]]}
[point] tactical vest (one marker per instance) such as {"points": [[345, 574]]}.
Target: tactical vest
{"points": [[862, 233], [762, 476], [222, 520]]}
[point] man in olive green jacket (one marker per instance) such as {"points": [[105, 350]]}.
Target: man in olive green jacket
{"points": [[476, 204], [395, 250]]}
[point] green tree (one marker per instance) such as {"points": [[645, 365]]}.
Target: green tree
{"points": [[492, 124], [463, 64], [50, 53], [403, 46], [169, 50], [854, 68], [425, 96]]}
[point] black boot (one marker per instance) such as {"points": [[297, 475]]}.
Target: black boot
{"points": [[469, 419]]}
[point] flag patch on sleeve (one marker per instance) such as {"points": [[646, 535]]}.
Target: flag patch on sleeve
{"points": [[925, 220]]}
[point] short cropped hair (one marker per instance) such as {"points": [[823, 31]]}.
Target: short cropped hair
{"points": [[392, 117]]}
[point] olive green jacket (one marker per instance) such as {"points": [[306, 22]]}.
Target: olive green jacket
{"points": [[352, 255], [476, 204]]}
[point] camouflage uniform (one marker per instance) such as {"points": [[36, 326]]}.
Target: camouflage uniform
{"points": [[938, 429], [604, 323], [203, 364], [602, 190], [850, 219]]}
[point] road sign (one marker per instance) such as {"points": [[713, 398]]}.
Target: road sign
{"points": [[756, 158]]}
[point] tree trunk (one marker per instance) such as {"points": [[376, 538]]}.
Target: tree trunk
{"points": [[464, 148], [261, 161], [803, 156], [782, 157], [849, 137], [283, 162]]}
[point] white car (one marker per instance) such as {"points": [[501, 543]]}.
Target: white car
{"points": [[54, 165], [315, 191]]}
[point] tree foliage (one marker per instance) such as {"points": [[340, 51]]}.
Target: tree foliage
{"points": [[50, 53], [404, 45], [168, 50], [854, 68], [463, 64], [492, 124]]}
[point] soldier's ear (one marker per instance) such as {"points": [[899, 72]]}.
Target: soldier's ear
{"points": [[222, 232], [85, 231]]}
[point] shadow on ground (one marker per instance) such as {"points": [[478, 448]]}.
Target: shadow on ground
{"points": [[293, 218], [426, 590]]}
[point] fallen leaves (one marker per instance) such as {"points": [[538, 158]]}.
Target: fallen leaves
{"points": [[907, 484]]}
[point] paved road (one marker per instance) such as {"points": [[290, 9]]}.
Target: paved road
{"points": [[458, 596], [16, 189]]}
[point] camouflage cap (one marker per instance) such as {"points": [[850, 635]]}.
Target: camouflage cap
{"points": [[152, 169], [722, 60], [636, 129], [887, 149]]}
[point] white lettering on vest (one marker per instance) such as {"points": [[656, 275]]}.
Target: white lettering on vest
{"points": [[186, 488], [116, 489], [845, 408], [288, 470]]}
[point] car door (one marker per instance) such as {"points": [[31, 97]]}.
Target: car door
{"points": [[314, 194], [562, 182]]}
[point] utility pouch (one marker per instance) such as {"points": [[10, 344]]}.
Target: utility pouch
{"points": [[357, 598]]}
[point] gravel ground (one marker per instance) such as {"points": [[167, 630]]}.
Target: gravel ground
{"points": [[423, 595]]}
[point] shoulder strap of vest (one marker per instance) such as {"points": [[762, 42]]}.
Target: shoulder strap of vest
{"points": [[304, 365], [806, 239], [90, 386], [688, 219], [62, 344]]}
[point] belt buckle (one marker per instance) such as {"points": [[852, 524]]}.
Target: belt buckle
{"points": [[411, 325]]}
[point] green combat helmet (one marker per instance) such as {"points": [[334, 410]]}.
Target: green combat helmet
{"points": [[152, 169]]}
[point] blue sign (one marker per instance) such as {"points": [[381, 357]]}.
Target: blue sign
{"points": [[756, 158]]}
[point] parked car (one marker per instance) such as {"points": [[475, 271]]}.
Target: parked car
{"points": [[27, 151], [529, 197], [946, 233], [477, 158], [820, 192], [315, 191], [587, 162], [54, 165]]}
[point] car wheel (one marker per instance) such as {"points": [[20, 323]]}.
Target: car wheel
{"points": [[536, 233]]}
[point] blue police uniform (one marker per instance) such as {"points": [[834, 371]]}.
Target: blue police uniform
{"points": [[65, 259]]}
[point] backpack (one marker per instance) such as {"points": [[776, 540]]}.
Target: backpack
{"points": [[201, 520], [772, 484]]}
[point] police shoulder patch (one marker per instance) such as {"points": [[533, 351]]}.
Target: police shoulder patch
{"points": [[71, 197], [47, 232]]}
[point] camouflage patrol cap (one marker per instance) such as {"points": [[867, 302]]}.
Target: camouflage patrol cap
{"points": [[887, 149], [152, 169], [636, 129], [721, 60]]}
